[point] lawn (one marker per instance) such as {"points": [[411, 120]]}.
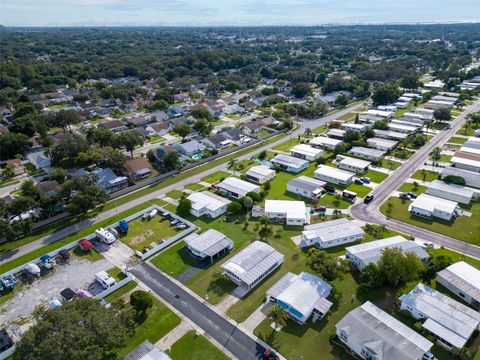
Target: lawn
{"points": [[160, 321], [409, 187], [390, 164], [463, 228], [8, 182], [216, 177], [457, 140], [278, 186], [287, 145], [148, 233], [348, 116], [399, 113], [375, 176], [425, 175], [117, 294], [195, 347], [244, 165], [194, 187], [330, 201], [402, 153], [175, 194], [360, 190], [116, 273], [174, 260]]}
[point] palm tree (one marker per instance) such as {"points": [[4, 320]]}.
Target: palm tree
{"points": [[308, 132], [232, 164], [277, 315], [428, 124], [9, 172], [436, 155]]}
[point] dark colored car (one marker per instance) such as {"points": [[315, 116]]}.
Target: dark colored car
{"points": [[321, 208], [269, 355], [412, 195], [358, 181], [368, 199]]}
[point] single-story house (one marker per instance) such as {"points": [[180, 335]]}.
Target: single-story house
{"points": [[355, 127], [306, 186], [373, 115], [453, 192], [48, 189], [352, 164], [381, 144], [234, 134], [252, 264], [138, 120], [158, 129], [306, 152], [289, 163], [189, 148], [113, 125], [147, 351], [428, 206], [158, 115], [407, 129], [209, 244], [289, 212], [371, 333], [260, 174], [331, 233], [463, 280], [325, 142], [388, 134], [367, 153], [363, 254], [303, 296], [17, 166], [471, 177], [466, 161], [472, 145], [137, 169], [216, 141], [236, 188], [333, 175], [109, 181], [336, 133], [206, 203], [40, 161], [451, 322]]}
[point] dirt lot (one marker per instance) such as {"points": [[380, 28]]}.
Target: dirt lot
{"points": [[15, 314]]}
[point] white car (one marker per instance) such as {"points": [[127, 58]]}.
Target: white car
{"points": [[105, 279]]}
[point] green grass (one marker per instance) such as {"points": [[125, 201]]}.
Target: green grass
{"points": [[57, 106], [375, 176], [278, 186], [425, 175], [390, 164], [216, 177], [160, 321], [457, 140], [116, 273], [175, 194], [360, 190], [91, 255], [143, 233], [330, 201], [347, 117], [8, 182], [194, 187], [287, 145], [443, 158], [244, 165], [463, 228], [175, 260], [409, 187], [195, 347], [399, 113], [456, 257], [402, 154], [117, 294]]}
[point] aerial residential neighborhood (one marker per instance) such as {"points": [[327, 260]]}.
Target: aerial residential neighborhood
{"points": [[247, 191]]}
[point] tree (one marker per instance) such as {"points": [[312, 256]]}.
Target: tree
{"points": [[399, 267], [87, 195], [442, 114], [182, 130], [453, 179], [436, 264], [9, 171], [278, 315], [300, 90], [81, 329], [409, 82], [58, 174], [308, 132], [66, 152], [201, 113], [436, 155], [28, 188], [141, 301], [262, 155], [184, 207], [171, 159], [129, 140], [203, 127], [66, 118], [20, 204], [100, 136], [265, 232], [371, 277], [12, 144], [235, 207], [232, 165], [25, 124], [341, 100], [247, 202], [386, 94], [327, 265]]}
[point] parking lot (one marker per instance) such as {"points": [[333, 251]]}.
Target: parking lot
{"points": [[15, 314]]}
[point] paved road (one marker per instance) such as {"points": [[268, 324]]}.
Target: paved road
{"points": [[228, 335], [371, 213], [37, 244]]}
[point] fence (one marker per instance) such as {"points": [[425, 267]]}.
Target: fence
{"points": [[115, 287]]}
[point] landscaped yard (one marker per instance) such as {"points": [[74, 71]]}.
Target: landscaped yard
{"points": [[443, 158], [375, 176], [457, 140], [360, 190], [244, 165], [287, 145], [399, 113], [390, 164], [194, 187], [402, 154], [196, 347], [117, 294], [148, 233], [409, 187], [278, 187], [175, 194], [174, 260], [425, 175], [463, 228], [216, 177], [331, 201]]}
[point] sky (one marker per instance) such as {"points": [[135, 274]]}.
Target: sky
{"points": [[233, 12]]}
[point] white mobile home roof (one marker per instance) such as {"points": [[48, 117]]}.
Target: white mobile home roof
{"points": [[260, 171], [403, 128], [390, 134], [411, 95], [210, 243], [389, 144], [405, 122], [370, 325], [206, 199], [367, 152], [335, 173], [336, 132], [253, 261], [307, 183], [472, 145], [325, 141], [292, 209], [464, 277], [448, 318], [355, 127], [354, 162], [237, 186], [432, 203], [372, 251], [306, 150], [332, 230], [288, 160], [380, 113], [465, 161], [450, 189], [471, 177]]}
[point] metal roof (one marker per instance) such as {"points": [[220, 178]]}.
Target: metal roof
{"points": [[307, 183], [332, 230], [335, 173], [260, 171], [323, 140], [206, 199], [306, 149], [288, 160], [451, 188], [432, 203], [464, 277], [146, 351], [210, 242], [237, 186], [353, 162], [360, 150]]}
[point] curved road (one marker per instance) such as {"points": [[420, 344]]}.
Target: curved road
{"points": [[370, 213]]}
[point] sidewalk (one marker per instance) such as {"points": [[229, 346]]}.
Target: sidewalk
{"points": [[174, 335]]}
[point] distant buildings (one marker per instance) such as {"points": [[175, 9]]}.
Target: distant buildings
{"points": [[331, 233]]}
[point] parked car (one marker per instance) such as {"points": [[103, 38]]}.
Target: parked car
{"points": [[47, 262], [411, 195], [105, 279], [85, 244], [123, 226], [64, 254], [153, 213], [181, 226], [358, 182], [113, 231], [175, 222], [105, 236], [367, 199], [8, 282], [321, 208], [33, 269], [403, 196], [269, 355], [366, 180]]}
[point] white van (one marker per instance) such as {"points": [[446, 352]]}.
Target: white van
{"points": [[105, 236], [105, 280]]}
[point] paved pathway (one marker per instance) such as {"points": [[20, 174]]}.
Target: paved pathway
{"points": [[254, 319], [174, 335]]}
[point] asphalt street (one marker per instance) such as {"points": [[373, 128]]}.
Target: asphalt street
{"points": [[370, 213], [228, 335]]}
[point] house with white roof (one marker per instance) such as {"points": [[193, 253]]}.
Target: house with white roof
{"points": [[355, 127], [407, 129], [388, 134], [303, 296], [331, 233], [466, 161], [463, 280], [352, 164], [435, 84], [207, 203], [260, 174], [306, 186], [453, 192], [336, 133], [209, 244], [363, 254], [472, 145], [367, 153], [252, 264], [372, 333], [429, 206], [306, 152], [381, 144], [236, 188], [325, 142], [373, 115], [451, 322], [471, 177], [289, 163], [333, 175], [287, 211]]}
